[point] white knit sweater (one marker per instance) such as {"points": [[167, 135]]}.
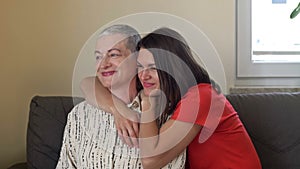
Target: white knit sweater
{"points": [[91, 142]]}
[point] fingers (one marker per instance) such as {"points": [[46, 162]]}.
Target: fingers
{"points": [[135, 127], [120, 134], [128, 130], [129, 135], [126, 139], [133, 134]]}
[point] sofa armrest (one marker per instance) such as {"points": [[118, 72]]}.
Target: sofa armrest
{"points": [[22, 165], [47, 119]]}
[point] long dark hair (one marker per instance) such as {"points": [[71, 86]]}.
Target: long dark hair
{"points": [[176, 67]]}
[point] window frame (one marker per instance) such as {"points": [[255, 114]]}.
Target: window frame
{"points": [[258, 73]]}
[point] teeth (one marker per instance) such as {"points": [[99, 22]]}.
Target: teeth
{"points": [[107, 73]]}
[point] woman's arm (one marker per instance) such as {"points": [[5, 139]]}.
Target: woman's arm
{"points": [[126, 120], [159, 147]]}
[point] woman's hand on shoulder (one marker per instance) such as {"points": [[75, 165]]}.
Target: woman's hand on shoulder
{"points": [[127, 127]]}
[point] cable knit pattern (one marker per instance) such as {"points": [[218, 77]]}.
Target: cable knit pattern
{"points": [[91, 141]]}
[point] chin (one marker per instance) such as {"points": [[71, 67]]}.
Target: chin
{"points": [[147, 92], [106, 84]]}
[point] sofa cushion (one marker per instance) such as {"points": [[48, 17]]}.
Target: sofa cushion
{"points": [[273, 122], [47, 119], [271, 119]]}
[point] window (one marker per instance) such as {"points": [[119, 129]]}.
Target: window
{"points": [[268, 42]]}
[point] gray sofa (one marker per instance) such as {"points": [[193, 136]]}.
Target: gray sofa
{"points": [[271, 119]]}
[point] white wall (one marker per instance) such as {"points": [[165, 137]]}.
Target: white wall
{"points": [[40, 41]]}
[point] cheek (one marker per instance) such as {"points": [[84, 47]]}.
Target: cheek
{"points": [[97, 66], [139, 75], [156, 79], [115, 62], [125, 63]]}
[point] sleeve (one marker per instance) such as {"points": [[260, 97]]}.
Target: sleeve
{"points": [[67, 159]]}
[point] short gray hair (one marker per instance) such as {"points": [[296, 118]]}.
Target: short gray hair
{"points": [[132, 35]]}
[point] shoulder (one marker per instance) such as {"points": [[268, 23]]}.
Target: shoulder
{"points": [[82, 111], [79, 107], [201, 88], [201, 92], [204, 97], [86, 118]]}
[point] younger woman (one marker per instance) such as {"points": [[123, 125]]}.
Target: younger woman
{"points": [[179, 91]]}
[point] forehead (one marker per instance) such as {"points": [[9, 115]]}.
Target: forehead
{"points": [[145, 57], [107, 42]]}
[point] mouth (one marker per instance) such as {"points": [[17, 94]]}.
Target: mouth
{"points": [[148, 85], [108, 73]]}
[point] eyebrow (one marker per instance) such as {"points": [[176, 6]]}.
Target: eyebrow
{"points": [[149, 65], [114, 49], [98, 52]]}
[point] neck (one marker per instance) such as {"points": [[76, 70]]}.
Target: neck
{"points": [[127, 92]]}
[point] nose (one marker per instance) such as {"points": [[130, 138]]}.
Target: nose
{"points": [[145, 74], [104, 63]]}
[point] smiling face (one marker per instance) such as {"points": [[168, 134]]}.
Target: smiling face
{"points": [[115, 66], [147, 72]]}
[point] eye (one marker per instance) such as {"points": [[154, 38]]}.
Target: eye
{"points": [[98, 57], [152, 68], [114, 55], [139, 67]]}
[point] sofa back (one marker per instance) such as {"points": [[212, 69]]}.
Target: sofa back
{"points": [[273, 123], [271, 119]]}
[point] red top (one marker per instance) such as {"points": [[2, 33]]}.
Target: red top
{"points": [[223, 141]]}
